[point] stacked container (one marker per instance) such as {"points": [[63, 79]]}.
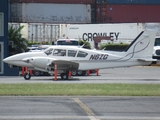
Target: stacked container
{"points": [[51, 11], [127, 11], [84, 11], [55, 1]]}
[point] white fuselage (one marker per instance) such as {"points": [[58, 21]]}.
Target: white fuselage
{"points": [[87, 59]]}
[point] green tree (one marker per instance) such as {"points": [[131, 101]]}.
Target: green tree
{"points": [[85, 43], [20, 43], [114, 46]]}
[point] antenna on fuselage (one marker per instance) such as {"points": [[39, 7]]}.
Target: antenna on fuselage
{"points": [[82, 45], [103, 49]]}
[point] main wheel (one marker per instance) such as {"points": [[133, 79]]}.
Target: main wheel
{"points": [[36, 73], [64, 76], [74, 73], [81, 73], [27, 76]]}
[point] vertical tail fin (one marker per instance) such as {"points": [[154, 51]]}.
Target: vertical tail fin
{"points": [[142, 46]]}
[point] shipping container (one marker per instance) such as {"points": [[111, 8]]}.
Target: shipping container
{"points": [[109, 2], [39, 32], [50, 13], [124, 32], [55, 1], [43, 32], [127, 13], [129, 2], [93, 13]]}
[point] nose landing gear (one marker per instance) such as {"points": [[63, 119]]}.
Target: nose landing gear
{"points": [[27, 76]]}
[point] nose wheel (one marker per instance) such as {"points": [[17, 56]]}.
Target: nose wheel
{"points": [[27, 76]]}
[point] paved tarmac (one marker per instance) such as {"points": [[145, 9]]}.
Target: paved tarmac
{"points": [[85, 108], [131, 75], [79, 108]]}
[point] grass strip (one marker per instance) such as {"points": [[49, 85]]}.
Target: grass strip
{"points": [[35, 89]]}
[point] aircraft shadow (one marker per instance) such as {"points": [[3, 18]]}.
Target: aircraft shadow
{"points": [[52, 79]]}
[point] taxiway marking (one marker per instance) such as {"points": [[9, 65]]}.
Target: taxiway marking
{"points": [[91, 115]]}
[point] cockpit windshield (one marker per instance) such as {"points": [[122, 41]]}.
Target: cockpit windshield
{"points": [[48, 51]]}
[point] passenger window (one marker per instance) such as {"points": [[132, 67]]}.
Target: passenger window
{"points": [[72, 53], [59, 52], [48, 51], [82, 54]]}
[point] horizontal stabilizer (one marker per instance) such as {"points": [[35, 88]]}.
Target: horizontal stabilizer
{"points": [[149, 59]]}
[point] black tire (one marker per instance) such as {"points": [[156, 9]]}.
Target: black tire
{"points": [[36, 73], [81, 73], [27, 76], [64, 76], [74, 73]]}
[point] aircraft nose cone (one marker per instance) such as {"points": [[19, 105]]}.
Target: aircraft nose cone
{"points": [[7, 60]]}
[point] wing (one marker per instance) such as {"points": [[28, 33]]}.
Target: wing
{"points": [[65, 65], [45, 63]]}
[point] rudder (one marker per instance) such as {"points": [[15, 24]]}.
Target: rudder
{"points": [[142, 46]]}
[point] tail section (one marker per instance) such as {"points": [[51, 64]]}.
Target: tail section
{"points": [[142, 47]]}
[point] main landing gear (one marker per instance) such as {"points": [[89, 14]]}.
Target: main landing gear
{"points": [[64, 76]]}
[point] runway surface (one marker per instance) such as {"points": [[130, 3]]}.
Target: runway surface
{"points": [[85, 108]]}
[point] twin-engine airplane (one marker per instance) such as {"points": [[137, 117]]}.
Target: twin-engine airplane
{"points": [[67, 58]]}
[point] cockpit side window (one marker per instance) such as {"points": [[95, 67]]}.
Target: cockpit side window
{"points": [[48, 51], [72, 53], [59, 52], [82, 54]]}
